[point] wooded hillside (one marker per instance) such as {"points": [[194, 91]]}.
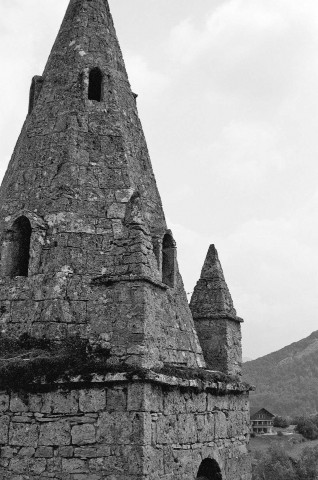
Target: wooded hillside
{"points": [[286, 381]]}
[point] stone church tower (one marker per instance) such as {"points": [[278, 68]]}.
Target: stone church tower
{"points": [[85, 251]]}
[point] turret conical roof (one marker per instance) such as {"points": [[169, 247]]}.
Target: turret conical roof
{"points": [[211, 296]]}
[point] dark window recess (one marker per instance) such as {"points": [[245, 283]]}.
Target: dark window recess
{"points": [[156, 250], [95, 85], [35, 89], [168, 260], [209, 470], [18, 253]]}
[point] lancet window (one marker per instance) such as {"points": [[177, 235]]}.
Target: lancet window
{"points": [[168, 260], [95, 85]]}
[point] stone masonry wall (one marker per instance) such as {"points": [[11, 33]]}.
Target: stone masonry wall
{"points": [[82, 176], [220, 339], [122, 431]]}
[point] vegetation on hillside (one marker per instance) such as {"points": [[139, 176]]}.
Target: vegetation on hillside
{"points": [[276, 464], [308, 427], [286, 380], [281, 422]]}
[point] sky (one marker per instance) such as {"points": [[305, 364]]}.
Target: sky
{"points": [[228, 98]]}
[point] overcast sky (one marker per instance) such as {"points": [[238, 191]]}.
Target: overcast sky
{"points": [[228, 98]]}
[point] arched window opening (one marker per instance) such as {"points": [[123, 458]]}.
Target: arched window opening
{"points": [[18, 248], [168, 260], [95, 85], [209, 470]]}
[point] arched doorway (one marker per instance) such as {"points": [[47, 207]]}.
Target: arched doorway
{"points": [[209, 470]]}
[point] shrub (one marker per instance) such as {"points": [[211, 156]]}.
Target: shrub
{"points": [[307, 466], [281, 422], [307, 427], [275, 465]]}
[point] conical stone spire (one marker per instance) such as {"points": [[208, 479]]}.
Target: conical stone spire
{"points": [[211, 295], [85, 246], [215, 317]]}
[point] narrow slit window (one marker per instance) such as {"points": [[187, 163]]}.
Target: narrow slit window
{"points": [[168, 260], [95, 85], [35, 90], [18, 248]]}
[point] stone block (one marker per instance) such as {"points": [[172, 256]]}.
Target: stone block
{"points": [[90, 476], [21, 419], [37, 466], [44, 452], [116, 211], [206, 428], [144, 397], [92, 400], [220, 425], [153, 463], [196, 402], [66, 452], [4, 402], [24, 434], [183, 464], [117, 399], [54, 466], [19, 465], [92, 452], [165, 430], [26, 452], [83, 434], [235, 424], [74, 465], [124, 428], [168, 459], [174, 402], [8, 452], [124, 195], [186, 428], [60, 402], [17, 404], [4, 429], [56, 433]]}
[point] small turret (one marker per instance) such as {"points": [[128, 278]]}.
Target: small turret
{"points": [[218, 326]]}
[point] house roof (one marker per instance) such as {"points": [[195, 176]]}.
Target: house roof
{"points": [[255, 410]]}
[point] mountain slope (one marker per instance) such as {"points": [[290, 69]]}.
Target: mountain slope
{"points": [[286, 381]]}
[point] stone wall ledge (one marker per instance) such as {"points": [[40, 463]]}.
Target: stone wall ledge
{"points": [[149, 376], [109, 280], [218, 316]]}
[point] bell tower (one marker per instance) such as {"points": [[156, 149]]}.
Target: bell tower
{"points": [[85, 246]]}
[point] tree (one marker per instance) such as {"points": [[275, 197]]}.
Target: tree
{"points": [[307, 466], [281, 422], [275, 465], [307, 428]]}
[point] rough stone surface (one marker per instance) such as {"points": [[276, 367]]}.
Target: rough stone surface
{"points": [[218, 327], [85, 251], [81, 175], [162, 432]]}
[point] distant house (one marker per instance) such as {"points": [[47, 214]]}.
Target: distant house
{"points": [[261, 420]]}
